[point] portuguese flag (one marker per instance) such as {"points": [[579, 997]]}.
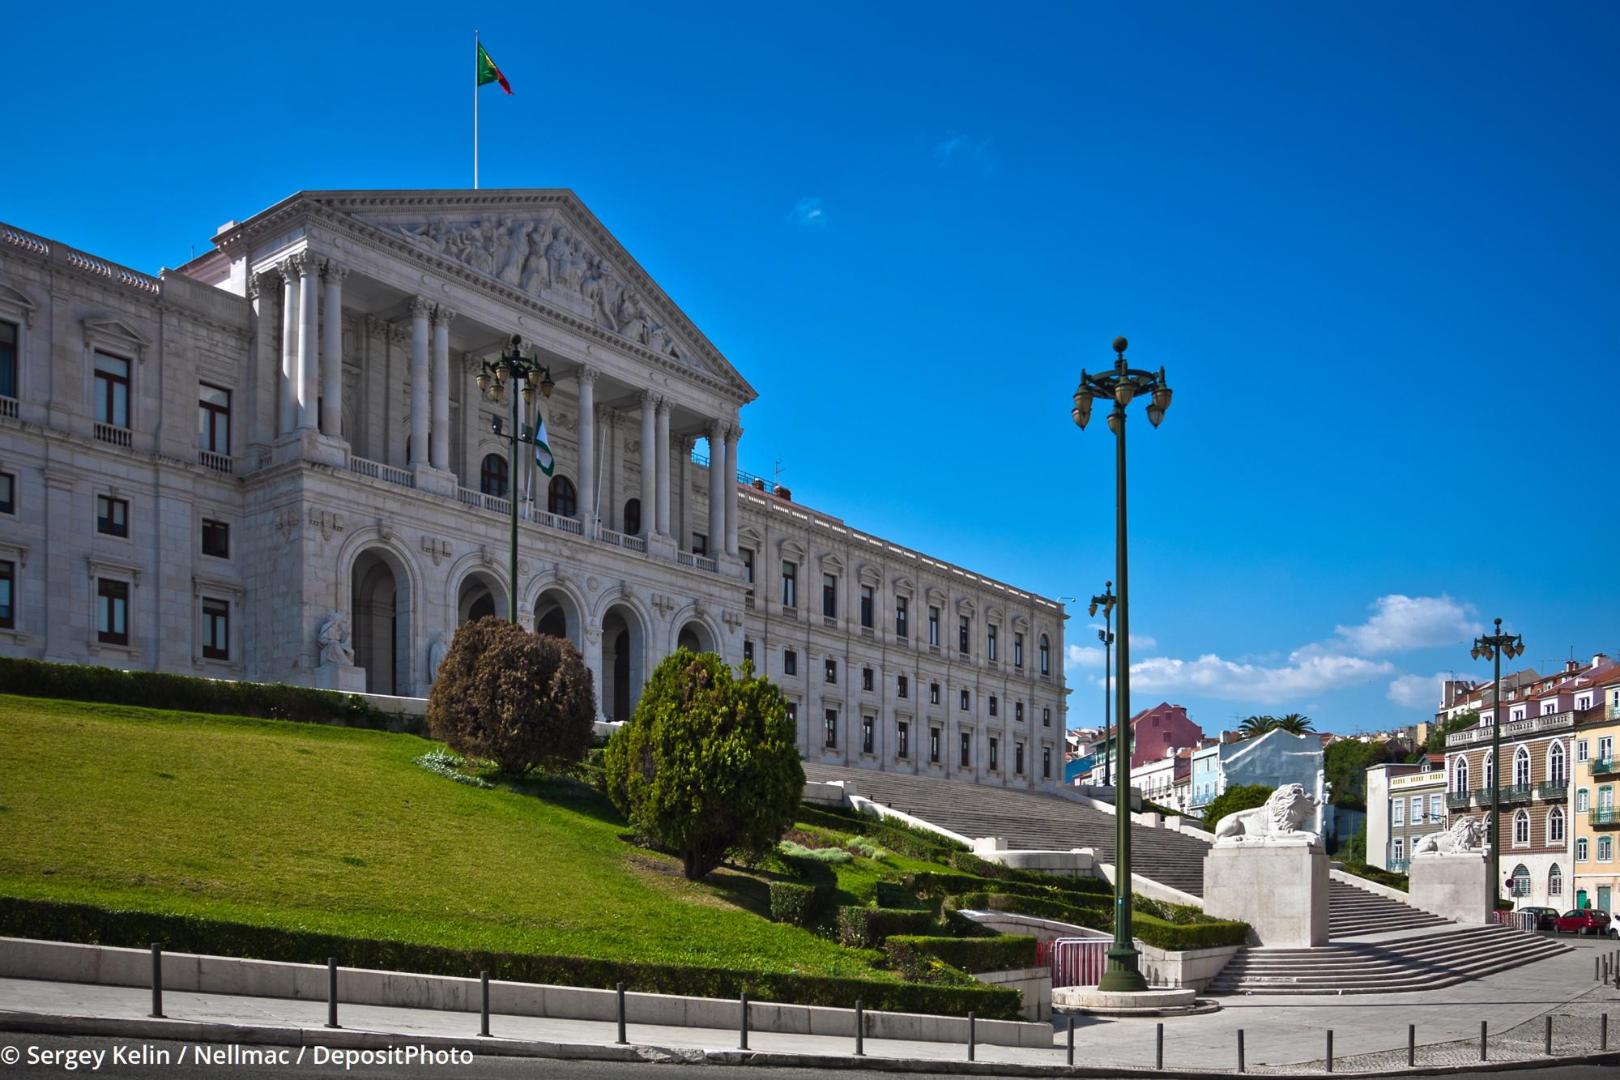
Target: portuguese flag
{"points": [[488, 72]]}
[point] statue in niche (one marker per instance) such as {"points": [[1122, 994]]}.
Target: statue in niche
{"points": [[334, 637]]}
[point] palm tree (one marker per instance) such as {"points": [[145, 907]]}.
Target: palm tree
{"points": [[1295, 723], [1257, 725]]}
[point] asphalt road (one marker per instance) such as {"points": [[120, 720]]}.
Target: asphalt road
{"points": [[50, 1056]]}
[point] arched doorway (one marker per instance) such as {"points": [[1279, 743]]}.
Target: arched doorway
{"points": [[480, 596], [381, 615], [556, 614], [623, 662], [696, 637]]}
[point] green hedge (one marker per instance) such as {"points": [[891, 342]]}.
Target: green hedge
{"points": [[944, 883], [897, 837], [1003, 952], [1146, 926], [864, 927], [1378, 874], [796, 904], [187, 693], [1095, 918], [57, 921], [893, 894]]}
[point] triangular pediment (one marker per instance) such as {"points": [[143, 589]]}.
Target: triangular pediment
{"points": [[546, 245], [115, 331]]}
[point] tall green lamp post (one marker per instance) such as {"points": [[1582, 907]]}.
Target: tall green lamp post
{"points": [[1105, 604], [523, 373], [1121, 385], [1493, 647]]}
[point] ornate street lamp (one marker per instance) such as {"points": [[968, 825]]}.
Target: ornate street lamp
{"points": [[1493, 647], [1122, 385], [522, 373], [1105, 603]]}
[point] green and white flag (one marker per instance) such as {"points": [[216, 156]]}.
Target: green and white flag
{"points": [[542, 449]]}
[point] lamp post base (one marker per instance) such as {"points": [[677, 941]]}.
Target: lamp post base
{"points": [[1122, 975]]}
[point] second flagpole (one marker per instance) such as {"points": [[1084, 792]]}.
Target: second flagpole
{"points": [[475, 110]]}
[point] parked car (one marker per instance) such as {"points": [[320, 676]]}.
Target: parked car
{"points": [[1546, 917], [1584, 921], [1614, 925]]}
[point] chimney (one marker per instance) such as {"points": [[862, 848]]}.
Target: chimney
{"points": [[783, 493], [1571, 666], [1599, 659]]}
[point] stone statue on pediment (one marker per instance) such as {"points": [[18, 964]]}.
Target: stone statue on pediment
{"points": [[631, 318], [514, 247], [334, 638]]}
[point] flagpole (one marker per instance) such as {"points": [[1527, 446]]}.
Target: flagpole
{"points": [[475, 110]]}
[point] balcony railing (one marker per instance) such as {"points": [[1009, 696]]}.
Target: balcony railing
{"points": [[790, 612], [1552, 791], [1606, 766], [1605, 815], [117, 436], [1515, 729], [1516, 793], [220, 463], [8, 407], [480, 500], [1398, 866], [376, 470], [1458, 800], [632, 543]]}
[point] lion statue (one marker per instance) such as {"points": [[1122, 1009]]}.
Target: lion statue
{"points": [[1466, 835], [1285, 811]]}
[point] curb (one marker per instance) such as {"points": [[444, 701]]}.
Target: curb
{"points": [[342, 1038]]}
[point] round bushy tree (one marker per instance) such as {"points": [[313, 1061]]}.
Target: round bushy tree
{"points": [[522, 700], [708, 764]]}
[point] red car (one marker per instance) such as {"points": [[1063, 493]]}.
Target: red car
{"points": [[1583, 921]]}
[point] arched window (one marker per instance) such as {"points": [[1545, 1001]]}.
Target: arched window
{"points": [[1521, 828], [1555, 825], [560, 497], [1046, 656], [632, 517], [1459, 777], [1521, 767], [1521, 880], [1490, 770], [1581, 849], [1555, 763], [492, 476], [1555, 881]]}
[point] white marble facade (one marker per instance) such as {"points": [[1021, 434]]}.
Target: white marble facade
{"points": [[341, 468]]}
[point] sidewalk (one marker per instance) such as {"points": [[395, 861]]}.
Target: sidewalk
{"points": [[1369, 1030]]}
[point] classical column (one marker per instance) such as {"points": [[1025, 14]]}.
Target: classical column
{"points": [[733, 433], [717, 488], [662, 440], [287, 414], [261, 408], [608, 507], [420, 309], [309, 328], [683, 463], [440, 446], [332, 354], [587, 449], [649, 463]]}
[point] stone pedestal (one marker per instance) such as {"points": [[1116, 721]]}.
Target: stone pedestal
{"points": [[1451, 886], [1279, 888], [344, 677], [437, 481]]}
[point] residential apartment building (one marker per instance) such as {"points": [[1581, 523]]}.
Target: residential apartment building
{"points": [[1405, 802], [1596, 781], [1278, 757]]}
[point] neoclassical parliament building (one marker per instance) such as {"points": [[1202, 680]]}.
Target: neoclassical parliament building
{"points": [[275, 463]]}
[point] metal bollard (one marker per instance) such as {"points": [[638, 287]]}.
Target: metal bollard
{"points": [[1158, 1047], [157, 980], [331, 992], [1547, 1042], [1071, 1039], [971, 1034], [1330, 1050], [618, 989], [483, 1009], [742, 1039], [1603, 1032], [1411, 1046], [1240, 1051], [860, 1028], [1483, 1035]]}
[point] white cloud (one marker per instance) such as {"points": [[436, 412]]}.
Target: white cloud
{"points": [[1418, 691], [808, 211], [959, 147], [1400, 623], [1138, 641], [1307, 672], [1085, 656]]}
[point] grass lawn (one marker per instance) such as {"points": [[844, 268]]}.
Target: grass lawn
{"points": [[336, 830]]}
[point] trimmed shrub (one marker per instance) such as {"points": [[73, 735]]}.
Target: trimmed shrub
{"points": [[708, 764], [892, 894], [1146, 926], [522, 700], [1093, 918], [795, 904], [1069, 890], [1378, 874], [791, 850], [864, 927], [1003, 952], [1199, 935], [56, 921], [188, 693], [894, 835]]}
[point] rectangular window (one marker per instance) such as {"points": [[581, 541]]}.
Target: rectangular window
{"points": [[1581, 750], [1018, 759], [832, 729], [1605, 747], [793, 713], [902, 686], [933, 626], [990, 643], [1437, 809], [1046, 763], [790, 585], [867, 606], [216, 538], [1046, 718], [700, 544], [832, 671], [868, 724], [8, 493], [993, 746], [748, 651], [214, 418], [902, 739], [1018, 650], [901, 604], [1416, 813], [966, 747], [216, 619], [8, 359], [966, 699], [748, 565], [112, 515], [1397, 810], [992, 704], [790, 662], [112, 611], [866, 679], [1398, 849], [8, 595], [112, 390], [964, 631], [933, 693], [1018, 712], [933, 745], [829, 596]]}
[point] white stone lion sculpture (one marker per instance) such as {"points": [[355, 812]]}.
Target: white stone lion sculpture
{"points": [[1466, 835], [1280, 819]]}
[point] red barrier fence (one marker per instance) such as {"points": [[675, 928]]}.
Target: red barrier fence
{"points": [[1074, 961]]}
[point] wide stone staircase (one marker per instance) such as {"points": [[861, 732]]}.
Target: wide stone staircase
{"points": [[1353, 912], [1424, 962]]}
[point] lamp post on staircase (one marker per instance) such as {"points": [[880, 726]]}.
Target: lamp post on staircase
{"points": [[1493, 647], [1121, 385]]}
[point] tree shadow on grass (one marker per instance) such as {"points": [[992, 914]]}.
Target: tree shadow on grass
{"points": [[560, 790]]}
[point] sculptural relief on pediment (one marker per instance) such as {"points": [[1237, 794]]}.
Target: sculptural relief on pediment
{"points": [[546, 258]]}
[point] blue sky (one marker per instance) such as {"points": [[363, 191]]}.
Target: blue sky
{"points": [[1374, 246]]}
